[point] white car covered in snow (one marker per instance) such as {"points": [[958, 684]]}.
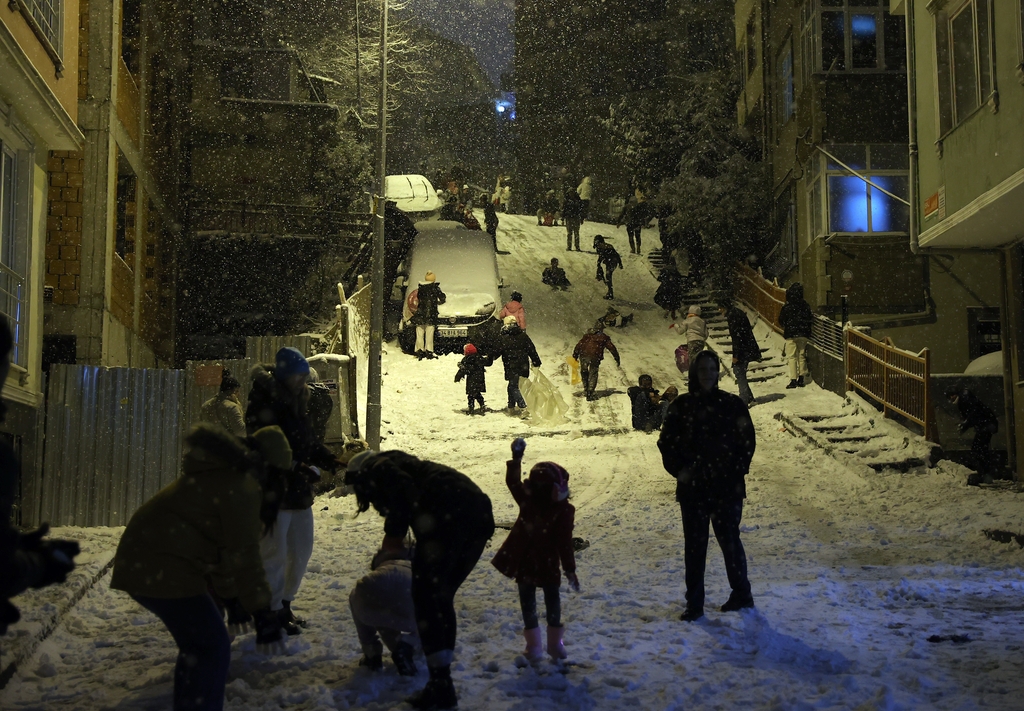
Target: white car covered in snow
{"points": [[466, 267], [413, 195]]}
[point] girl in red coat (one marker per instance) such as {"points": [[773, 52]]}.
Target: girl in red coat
{"points": [[540, 538]]}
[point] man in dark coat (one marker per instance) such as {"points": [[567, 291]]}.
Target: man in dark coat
{"points": [[979, 416], [428, 297], [706, 443], [26, 560], [572, 215], [745, 349], [452, 522], [636, 213], [490, 220], [280, 396], [517, 352], [589, 351], [608, 260], [795, 318], [669, 295], [644, 402]]}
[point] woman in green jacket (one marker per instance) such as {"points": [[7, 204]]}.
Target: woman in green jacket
{"points": [[201, 531]]}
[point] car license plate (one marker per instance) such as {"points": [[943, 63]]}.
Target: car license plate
{"points": [[456, 332]]}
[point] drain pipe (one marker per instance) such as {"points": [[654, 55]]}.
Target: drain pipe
{"points": [[915, 246]]}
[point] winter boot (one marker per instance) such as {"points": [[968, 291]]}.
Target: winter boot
{"points": [[372, 662], [800, 382], [402, 656], [555, 646], [439, 693], [472, 405], [534, 651], [285, 617], [692, 614], [793, 385], [737, 602], [287, 606]]}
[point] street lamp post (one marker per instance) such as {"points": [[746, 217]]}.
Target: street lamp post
{"points": [[377, 262]]}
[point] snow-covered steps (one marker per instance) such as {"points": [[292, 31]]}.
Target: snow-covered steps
{"points": [[856, 434]]}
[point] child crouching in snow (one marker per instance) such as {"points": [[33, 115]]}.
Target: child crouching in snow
{"points": [[539, 539], [472, 369]]}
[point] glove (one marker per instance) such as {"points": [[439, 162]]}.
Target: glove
{"points": [[239, 620], [518, 447], [269, 635], [574, 582], [57, 558]]}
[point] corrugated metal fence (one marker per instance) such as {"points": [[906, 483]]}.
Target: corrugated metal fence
{"points": [[112, 441]]}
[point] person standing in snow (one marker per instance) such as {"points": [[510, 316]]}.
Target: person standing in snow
{"points": [[224, 409], [202, 532], [517, 352], [795, 318], [636, 213], [976, 415], [540, 538], [589, 351], [452, 522], [745, 349], [608, 260], [514, 307], [382, 609], [554, 276], [572, 215], [706, 443], [27, 560], [669, 295], [490, 220], [280, 396], [585, 190], [471, 367], [694, 332], [427, 299]]}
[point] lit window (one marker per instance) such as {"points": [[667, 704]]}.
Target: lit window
{"points": [[851, 36], [854, 206]]}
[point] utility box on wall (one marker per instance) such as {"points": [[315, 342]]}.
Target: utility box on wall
{"points": [[984, 331]]}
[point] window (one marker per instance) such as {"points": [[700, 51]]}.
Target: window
{"points": [[851, 36], [124, 232], [13, 258], [131, 34], [46, 17], [785, 77], [962, 52], [842, 202], [750, 50]]}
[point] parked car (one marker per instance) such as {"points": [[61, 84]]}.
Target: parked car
{"points": [[466, 267], [413, 195]]}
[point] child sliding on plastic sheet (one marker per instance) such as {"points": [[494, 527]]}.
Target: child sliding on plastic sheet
{"points": [[540, 538], [472, 369]]}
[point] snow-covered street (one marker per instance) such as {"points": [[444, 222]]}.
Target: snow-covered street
{"points": [[873, 590]]}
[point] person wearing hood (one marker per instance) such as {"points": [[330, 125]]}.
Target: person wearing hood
{"points": [[280, 396], [795, 318], [424, 306], [745, 349], [976, 415], [27, 560], [540, 539], [706, 443], [452, 521], [202, 532], [669, 295], [589, 351], [224, 409], [517, 352], [514, 307]]}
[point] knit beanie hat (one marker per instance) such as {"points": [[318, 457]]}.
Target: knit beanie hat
{"points": [[288, 362], [274, 447], [509, 320], [357, 463], [430, 277], [469, 349], [516, 296], [228, 383], [548, 476], [695, 310]]}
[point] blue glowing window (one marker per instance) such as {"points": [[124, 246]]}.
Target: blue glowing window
{"points": [[888, 215], [864, 44], [847, 204]]}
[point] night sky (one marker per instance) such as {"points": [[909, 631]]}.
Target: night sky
{"points": [[483, 25]]}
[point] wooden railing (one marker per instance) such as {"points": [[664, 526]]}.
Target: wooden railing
{"points": [[765, 297], [895, 378]]}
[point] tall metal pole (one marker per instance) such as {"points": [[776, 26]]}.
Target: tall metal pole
{"points": [[377, 263], [359, 91]]}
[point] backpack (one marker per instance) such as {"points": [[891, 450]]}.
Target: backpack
{"points": [[683, 359]]}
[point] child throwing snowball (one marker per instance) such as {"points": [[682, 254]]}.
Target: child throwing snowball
{"points": [[540, 538]]}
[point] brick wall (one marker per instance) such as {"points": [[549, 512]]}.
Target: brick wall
{"points": [[64, 226]]}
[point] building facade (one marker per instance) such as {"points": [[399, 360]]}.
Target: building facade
{"points": [[38, 113]]}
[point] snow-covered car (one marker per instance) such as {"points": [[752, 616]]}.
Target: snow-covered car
{"points": [[413, 195], [466, 267]]}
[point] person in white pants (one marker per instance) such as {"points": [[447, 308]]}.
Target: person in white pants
{"points": [[424, 314], [286, 550]]}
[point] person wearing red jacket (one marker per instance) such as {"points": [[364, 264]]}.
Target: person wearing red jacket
{"points": [[589, 351], [539, 539]]}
